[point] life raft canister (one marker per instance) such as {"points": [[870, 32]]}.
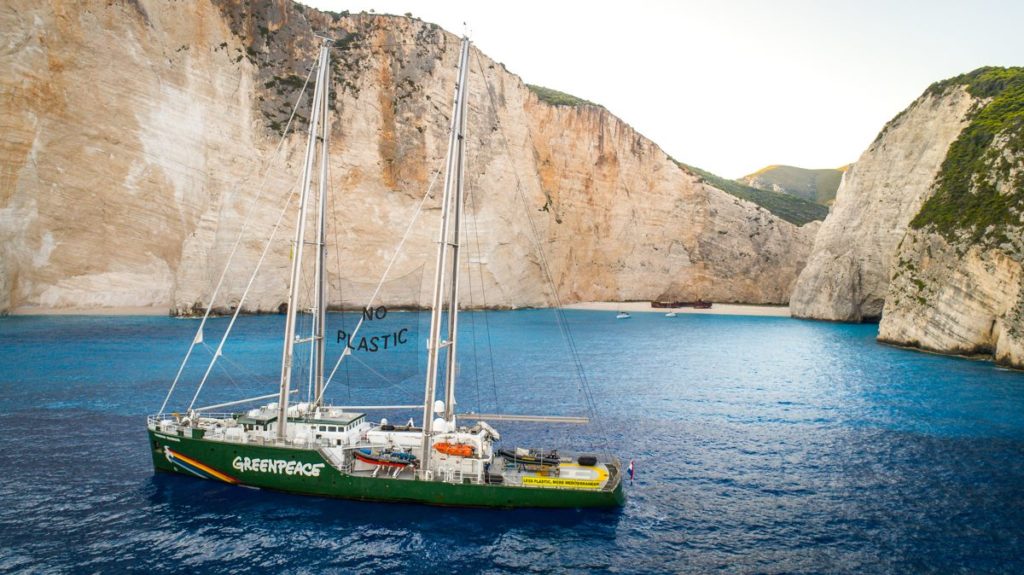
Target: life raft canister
{"points": [[456, 449]]}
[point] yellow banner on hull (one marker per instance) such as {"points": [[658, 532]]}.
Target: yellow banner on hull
{"points": [[561, 482], [572, 476]]}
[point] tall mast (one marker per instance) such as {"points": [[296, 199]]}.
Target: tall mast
{"points": [[452, 186], [320, 302], [300, 235], [453, 297]]}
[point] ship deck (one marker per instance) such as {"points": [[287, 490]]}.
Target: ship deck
{"points": [[567, 474], [500, 470]]}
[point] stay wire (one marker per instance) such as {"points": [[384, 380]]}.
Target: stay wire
{"points": [[238, 309], [337, 267], [483, 293], [545, 268], [380, 284], [472, 327], [252, 209]]}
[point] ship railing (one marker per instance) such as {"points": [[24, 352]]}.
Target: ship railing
{"points": [[178, 417], [163, 422], [613, 475], [332, 458], [200, 416], [177, 423]]}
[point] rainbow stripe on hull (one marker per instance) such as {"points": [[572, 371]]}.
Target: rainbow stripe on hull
{"points": [[197, 468], [327, 481]]}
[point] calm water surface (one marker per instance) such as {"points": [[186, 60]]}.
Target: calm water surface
{"points": [[762, 445]]}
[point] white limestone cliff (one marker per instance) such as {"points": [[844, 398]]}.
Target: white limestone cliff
{"points": [[847, 274], [927, 232], [961, 301], [136, 134]]}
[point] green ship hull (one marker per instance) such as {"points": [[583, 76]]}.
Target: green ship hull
{"points": [[313, 448], [311, 474]]}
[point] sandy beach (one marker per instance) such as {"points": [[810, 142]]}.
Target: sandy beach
{"points": [[31, 310], [716, 309], [610, 306]]}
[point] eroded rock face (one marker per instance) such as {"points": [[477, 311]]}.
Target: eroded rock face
{"points": [[138, 139], [957, 284], [847, 274], [965, 301], [123, 124], [928, 228]]}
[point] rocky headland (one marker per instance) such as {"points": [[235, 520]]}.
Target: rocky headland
{"points": [[926, 232]]}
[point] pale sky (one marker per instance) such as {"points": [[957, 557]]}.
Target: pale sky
{"points": [[734, 85]]}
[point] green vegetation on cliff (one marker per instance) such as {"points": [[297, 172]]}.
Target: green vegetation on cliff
{"points": [[979, 190], [818, 186], [556, 98], [790, 208]]}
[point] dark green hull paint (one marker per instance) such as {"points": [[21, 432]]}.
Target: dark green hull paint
{"points": [[332, 483]]}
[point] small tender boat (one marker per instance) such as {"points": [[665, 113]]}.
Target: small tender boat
{"points": [[622, 315], [386, 458], [456, 449], [520, 456], [670, 314]]}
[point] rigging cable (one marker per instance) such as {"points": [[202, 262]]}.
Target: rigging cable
{"points": [[337, 266], [472, 325], [248, 286], [483, 292], [380, 284], [545, 268], [252, 209]]}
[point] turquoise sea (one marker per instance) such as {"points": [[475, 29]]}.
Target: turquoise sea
{"points": [[762, 445]]}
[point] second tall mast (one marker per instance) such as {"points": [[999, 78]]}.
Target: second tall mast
{"points": [[451, 209], [320, 98]]}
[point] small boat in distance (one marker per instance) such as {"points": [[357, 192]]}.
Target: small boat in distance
{"points": [[670, 314], [699, 304], [622, 315]]}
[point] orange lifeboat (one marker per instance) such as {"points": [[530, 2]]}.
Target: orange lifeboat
{"points": [[456, 449]]}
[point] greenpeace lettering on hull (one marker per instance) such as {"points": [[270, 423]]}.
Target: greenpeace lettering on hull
{"points": [[278, 466]]}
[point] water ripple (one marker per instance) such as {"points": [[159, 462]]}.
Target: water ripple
{"points": [[762, 445]]}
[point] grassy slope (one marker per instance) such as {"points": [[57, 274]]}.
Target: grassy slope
{"points": [[979, 191], [790, 208], [556, 98], [817, 186]]}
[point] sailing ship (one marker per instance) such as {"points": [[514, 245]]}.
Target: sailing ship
{"points": [[313, 448]]}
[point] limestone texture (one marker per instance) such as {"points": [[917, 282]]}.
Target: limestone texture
{"points": [[847, 274], [927, 232], [960, 301], [141, 150]]}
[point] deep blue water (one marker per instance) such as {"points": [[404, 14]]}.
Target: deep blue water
{"points": [[762, 445]]}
